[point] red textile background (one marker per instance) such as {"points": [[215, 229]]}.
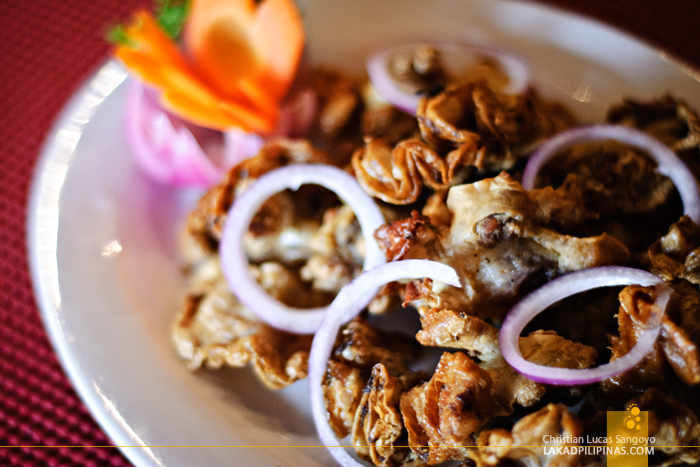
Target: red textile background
{"points": [[47, 48]]}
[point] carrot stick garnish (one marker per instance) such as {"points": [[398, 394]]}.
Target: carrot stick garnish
{"points": [[240, 61]]}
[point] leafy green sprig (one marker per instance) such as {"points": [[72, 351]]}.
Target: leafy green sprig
{"points": [[170, 14]]}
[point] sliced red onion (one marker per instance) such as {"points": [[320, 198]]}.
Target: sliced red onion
{"points": [[669, 163], [162, 144], [234, 261], [455, 57], [240, 145], [167, 149], [565, 286], [348, 304]]}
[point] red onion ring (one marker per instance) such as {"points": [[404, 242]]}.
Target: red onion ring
{"points": [[404, 98], [669, 163], [565, 286], [234, 261], [240, 145], [162, 145], [348, 304], [167, 150]]}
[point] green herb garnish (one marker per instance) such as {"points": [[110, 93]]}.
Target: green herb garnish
{"points": [[171, 15], [117, 35]]}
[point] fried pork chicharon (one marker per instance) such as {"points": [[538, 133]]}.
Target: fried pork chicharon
{"points": [[448, 184]]}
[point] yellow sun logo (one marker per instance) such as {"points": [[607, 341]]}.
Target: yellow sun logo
{"points": [[632, 420]]}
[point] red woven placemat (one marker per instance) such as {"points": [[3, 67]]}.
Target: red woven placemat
{"points": [[47, 48]]}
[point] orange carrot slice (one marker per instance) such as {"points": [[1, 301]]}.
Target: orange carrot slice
{"points": [[267, 37], [243, 60]]}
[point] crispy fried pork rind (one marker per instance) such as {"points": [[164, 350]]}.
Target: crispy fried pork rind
{"points": [[447, 328], [669, 120], [615, 178], [525, 442], [502, 240], [337, 249], [397, 175], [359, 347], [563, 208], [348, 111], [680, 333], [415, 235], [214, 330], [337, 120], [635, 314], [421, 67], [677, 254], [465, 125], [443, 414], [498, 243], [342, 390], [378, 429], [204, 225], [476, 206], [673, 426], [678, 344], [510, 388], [487, 129], [545, 348], [382, 120], [364, 345], [621, 184]]}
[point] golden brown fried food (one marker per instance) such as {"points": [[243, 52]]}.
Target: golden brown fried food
{"points": [[487, 129], [676, 254], [204, 225], [358, 348], [497, 244], [634, 317], [672, 424], [443, 414], [678, 343], [679, 338], [502, 240], [214, 329], [520, 444], [466, 125], [377, 428], [337, 251], [668, 119], [342, 390], [396, 175], [447, 328]]}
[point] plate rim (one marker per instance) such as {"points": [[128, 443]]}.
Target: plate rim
{"points": [[683, 65], [42, 247], [43, 213]]}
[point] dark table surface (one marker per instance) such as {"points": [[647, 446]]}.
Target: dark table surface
{"points": [[47, 48]]}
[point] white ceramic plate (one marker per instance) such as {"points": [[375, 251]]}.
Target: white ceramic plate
{"points": [[102, 237]]}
